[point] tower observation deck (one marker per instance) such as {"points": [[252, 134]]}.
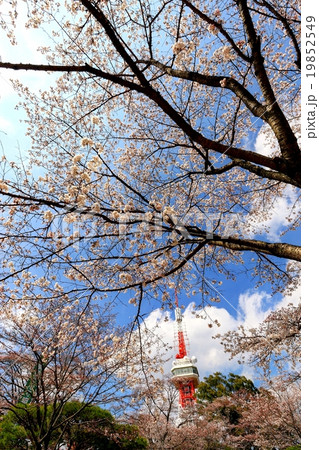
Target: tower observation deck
{"points": [[185, 375]]}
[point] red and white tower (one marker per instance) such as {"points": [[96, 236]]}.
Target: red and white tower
{"points": [[184, 372]]}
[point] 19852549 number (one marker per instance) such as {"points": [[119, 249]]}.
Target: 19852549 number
{"points": [[310, 47]]}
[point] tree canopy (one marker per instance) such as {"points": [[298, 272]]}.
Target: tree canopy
{"points": [[231, 413], [81, 428], [218, 385], [276, 342], [144, 166], [52, 354]]}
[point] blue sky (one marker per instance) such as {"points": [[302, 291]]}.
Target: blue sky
{"points": [[239, 303]]}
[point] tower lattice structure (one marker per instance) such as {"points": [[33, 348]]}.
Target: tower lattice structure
{"points": [[184, 371]]}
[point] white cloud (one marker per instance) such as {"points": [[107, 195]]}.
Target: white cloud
{"points": [[6, 126], [282, 210], [277, 216], [293, 298], [199, 340], [253, 308], [265, 143]]}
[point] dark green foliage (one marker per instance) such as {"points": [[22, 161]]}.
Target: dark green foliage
{"points": [[227, 389], [82, 425], [127, 439], [12, 435], [96, 428], [294, 447], [217, 385]]}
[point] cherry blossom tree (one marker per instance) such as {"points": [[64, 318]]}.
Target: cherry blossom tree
{"points": [[276, 341], [143, 171], [273, 416], [157, 412], [234, 417], [166, 426], [267, 419], [55, 352]]}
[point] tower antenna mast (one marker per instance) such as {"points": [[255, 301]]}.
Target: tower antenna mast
{"points": [[185, 375]]}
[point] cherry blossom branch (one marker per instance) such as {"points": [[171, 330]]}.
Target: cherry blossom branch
{"points": [[277, 120], [257, 109], [232, 152], [287, 27], [281, 250], [219, 27], [286, 138]]}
